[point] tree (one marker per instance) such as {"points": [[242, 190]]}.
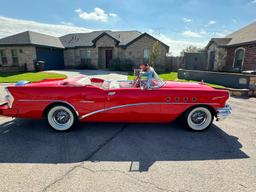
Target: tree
{"points": [[154, 53], [190, 49]]}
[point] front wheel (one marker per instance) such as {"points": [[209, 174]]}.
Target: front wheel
{"points": [[198, 118], [61, 118]]}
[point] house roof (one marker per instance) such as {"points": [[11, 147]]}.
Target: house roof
{"points": [[244, 35], [32, 38], [122, 38], [88, 39], [218, 41]]}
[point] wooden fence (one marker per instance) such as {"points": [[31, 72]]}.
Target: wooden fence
{"points": [[173, 63]]}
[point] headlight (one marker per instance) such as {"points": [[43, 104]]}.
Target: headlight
{"points": [[8, 97]]}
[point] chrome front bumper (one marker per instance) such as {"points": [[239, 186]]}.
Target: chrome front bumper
{"points": [[223, 113]]}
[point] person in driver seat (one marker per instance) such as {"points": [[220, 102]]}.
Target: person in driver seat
{"points": [[147, 74]]}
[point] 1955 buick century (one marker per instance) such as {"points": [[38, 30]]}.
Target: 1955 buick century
{"points": [[63, 102]]}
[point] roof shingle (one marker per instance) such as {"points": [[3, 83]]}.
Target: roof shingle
{"points": [[244, 35], [86, 39], [32, 38], [123, 38]]}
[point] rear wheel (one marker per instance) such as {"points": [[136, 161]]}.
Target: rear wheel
{"points": [[199, 118], [61, 118]]}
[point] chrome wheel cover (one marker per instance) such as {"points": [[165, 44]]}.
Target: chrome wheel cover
{"points": [[199, 118], [60, 118]]}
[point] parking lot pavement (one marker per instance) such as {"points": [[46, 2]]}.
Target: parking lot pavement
{"points": [[131, 157]]}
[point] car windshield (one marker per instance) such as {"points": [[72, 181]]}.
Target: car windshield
{"points": [[157, 82], [84, 81]]}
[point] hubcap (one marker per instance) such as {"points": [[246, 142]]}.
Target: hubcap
{"points": [[61, 117], [199, 117]]}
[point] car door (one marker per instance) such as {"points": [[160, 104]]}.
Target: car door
{"points": [[91, 103], [132, 105]]}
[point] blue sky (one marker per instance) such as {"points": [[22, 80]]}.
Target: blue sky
{"points": [[177, 23]]}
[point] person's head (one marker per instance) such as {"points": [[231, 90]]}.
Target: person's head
{"points": [[144, 66]]}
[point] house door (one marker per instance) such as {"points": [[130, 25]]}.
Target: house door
{"points": [[108, 55], [212, 59]]}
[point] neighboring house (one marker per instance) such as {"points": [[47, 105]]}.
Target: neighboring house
{"points": [[84, 50], [236, 52], [21, 50]]}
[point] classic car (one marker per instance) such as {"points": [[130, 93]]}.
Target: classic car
{"points": [[63, 102]]}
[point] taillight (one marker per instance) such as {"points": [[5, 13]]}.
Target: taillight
{"points": [[8, 97]]}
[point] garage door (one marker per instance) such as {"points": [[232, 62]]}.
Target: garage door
{"points": [[52, 57]]}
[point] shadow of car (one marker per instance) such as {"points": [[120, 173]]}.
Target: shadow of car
{"points": [[31, 141]]}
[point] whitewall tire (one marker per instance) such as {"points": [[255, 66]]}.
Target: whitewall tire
{"points": [[61, 118], [198, 118]]}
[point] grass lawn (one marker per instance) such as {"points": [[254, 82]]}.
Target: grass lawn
{"points": [[173, 76], [29, 76]]}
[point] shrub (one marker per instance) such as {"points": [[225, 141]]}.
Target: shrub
{"points": [[121, 65], [115, 64], [86, 64]]}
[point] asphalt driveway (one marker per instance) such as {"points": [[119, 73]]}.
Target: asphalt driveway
{"points": [[131, 157]]}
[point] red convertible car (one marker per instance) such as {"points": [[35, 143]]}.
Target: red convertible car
{"points": [[63, 102]]}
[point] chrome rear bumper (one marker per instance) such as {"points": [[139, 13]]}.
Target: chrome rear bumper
{"points": [[223, 113]]}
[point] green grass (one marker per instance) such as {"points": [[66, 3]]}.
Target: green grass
{"points": [[29, 76], [173, 76]]}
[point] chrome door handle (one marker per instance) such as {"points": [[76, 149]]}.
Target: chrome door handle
{"points": [[111, 93]]}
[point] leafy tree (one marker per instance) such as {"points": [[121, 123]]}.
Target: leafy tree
{"points": [[154, 53], [190, 49]]}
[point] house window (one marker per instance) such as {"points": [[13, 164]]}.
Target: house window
{"points": [[85, 55], [239, 58], [3, 57], [146, 55], [15, 59]]}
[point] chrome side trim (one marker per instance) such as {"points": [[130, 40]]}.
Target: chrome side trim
{"points": [[223, 113], [51, 101], [220, 97], [86, 101], [138, 104], [33, 100]]}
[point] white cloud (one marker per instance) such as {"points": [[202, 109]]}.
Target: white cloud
{"points": [[212, 22], [187, 20], [112, 14], [234, 20], [203, 32], [189, 33], [176, 46], [11, 26], [221, 33], [252, 2], [97, 15], [67, 23]]}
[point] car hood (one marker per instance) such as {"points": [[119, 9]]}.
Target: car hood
{"points": [[185, 85]]}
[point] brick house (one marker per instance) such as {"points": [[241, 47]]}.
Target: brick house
{"points": [[85, 50], [234, 53]]}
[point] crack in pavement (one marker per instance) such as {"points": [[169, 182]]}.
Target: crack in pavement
{"points": [[105, 143], [86, 158], [130, 176], [62, 177]]}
